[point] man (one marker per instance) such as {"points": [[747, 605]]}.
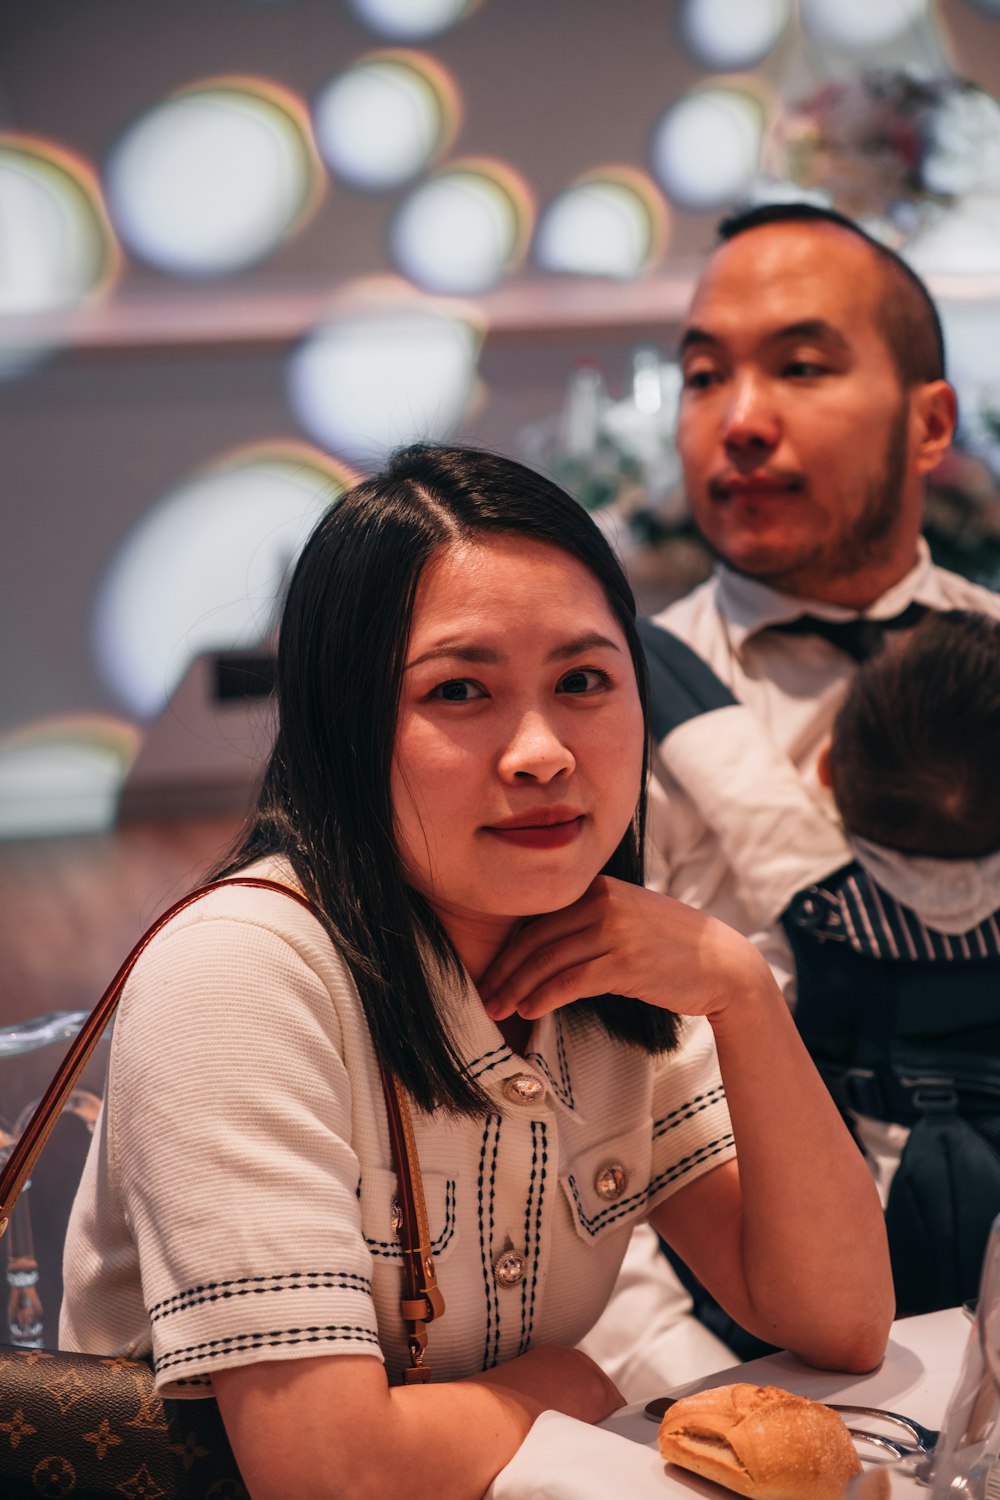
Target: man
{"points": [[814, 404]]}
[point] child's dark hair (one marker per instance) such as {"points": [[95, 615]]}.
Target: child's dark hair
{"points": [[915, 757]]}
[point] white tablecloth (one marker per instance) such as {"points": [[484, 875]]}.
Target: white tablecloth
{"points": [[562, 1459]]}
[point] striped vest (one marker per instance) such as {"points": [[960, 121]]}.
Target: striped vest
{"points": [[900, 1018], [903, 1023]]}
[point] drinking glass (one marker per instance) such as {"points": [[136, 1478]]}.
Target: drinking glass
{"points": [[888, 1481], [966, 1464]]}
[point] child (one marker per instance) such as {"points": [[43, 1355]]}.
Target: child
{"points": [[888, 935]]}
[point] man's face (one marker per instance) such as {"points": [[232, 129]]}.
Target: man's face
{"points": [[798, 441]]}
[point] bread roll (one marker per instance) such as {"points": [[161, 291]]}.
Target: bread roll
{"points": [[761, 1442]]}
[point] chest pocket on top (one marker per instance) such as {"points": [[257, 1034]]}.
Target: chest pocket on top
{"points": [[378, 1196], [607, 1184]]}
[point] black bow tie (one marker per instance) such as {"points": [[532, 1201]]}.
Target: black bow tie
{"points": [[860, 638]]}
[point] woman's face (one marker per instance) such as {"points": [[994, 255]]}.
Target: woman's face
{"points": [[518, 754]]}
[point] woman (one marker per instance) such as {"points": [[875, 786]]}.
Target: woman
{"points": [[457, 785]]}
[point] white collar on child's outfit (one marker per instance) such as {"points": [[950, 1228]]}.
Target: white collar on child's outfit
{"points": [[950, 895]]}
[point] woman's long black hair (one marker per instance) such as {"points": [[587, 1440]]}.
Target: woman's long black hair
{"points": [[325, 802]]}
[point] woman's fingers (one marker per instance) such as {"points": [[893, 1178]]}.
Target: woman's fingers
{"points": [[534, 944], [552, 975], [617, 939]]}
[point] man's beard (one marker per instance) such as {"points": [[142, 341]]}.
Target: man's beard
{"points": [[861, 545], [864, 543]]}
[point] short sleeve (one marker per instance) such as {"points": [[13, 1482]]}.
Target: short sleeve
{"points": [[230, 1128], [692, 1132]]}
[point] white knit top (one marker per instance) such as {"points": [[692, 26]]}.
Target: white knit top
{"points": [[236, 1202]]}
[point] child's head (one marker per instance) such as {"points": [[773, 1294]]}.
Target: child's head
{"points": [[914, 760]]}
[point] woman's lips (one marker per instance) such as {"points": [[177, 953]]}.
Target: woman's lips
{"points": [[539, 835]]}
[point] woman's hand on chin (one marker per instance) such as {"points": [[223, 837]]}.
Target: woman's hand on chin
{"points": [[622, 939]]}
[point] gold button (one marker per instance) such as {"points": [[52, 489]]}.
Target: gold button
{"points": [[508, 1268], [611, 1181], [523, 1089]]}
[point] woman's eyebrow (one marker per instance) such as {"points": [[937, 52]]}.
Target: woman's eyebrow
{"points": [[580, 643], [488, 656], [482, 654]]}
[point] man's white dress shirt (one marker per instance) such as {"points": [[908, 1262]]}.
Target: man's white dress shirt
{"points": [[794, 684]]}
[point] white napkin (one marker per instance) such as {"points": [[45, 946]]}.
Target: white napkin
{"points": [[563, 1459]]}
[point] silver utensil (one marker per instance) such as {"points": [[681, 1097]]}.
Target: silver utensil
{"points": [[923, 1437]]}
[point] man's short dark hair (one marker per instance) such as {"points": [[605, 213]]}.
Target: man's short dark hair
{"points": [[916, 745], [906, 313]]}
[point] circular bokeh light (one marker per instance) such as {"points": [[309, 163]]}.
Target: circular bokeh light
{"points": [[213, 179], [857, 25], [385, 119], [363, 383], [730, 34], [204, 568], [706, 148], [463, 230], [965, 241], [412, 19], [56, 245], [969, 328], [64, 776], [612, 222]]}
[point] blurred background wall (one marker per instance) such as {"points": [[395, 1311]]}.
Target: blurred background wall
{"points": [[248, 245]]}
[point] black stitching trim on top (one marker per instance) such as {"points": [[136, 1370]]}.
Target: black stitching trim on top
{"points": [[688, 1111], [533, 1229], [563, 1086], [488, 1062], [390, 1249], [628, 1206], [274, 1339], [249, 1286], [486, 1236]]}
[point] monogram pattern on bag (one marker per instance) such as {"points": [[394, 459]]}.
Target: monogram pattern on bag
{"points": [[17, 1428], [188, 1450], [54, 1476], [103, 1438], [111, 1434], [142, 1486]]}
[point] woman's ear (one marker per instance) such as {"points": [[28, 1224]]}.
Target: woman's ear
{"points": [[823, 764]]}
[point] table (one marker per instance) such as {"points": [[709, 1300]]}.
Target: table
{"points": [[563, 1459]]}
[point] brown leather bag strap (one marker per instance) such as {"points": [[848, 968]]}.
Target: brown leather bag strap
{"points": [[421, 1301]]}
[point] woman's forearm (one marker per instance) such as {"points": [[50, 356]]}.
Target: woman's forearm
{"points": [[813, 1237], [333, 1429]]}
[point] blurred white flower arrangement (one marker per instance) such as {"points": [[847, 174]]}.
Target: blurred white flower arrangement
{"points": [[619, 459]]}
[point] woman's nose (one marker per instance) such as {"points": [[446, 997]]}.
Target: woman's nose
{"points": [[536, 750], [751, 420]]}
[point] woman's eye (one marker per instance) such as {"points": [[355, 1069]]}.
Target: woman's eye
{"points": [[457, 690], [583, 680]]}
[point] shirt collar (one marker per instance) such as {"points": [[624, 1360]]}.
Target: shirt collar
{"points": [[748, 606], [950, 895], [484, 1053]]}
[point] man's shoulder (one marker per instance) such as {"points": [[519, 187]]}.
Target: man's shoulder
{"points": [[953, 591], [695, 615]]}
